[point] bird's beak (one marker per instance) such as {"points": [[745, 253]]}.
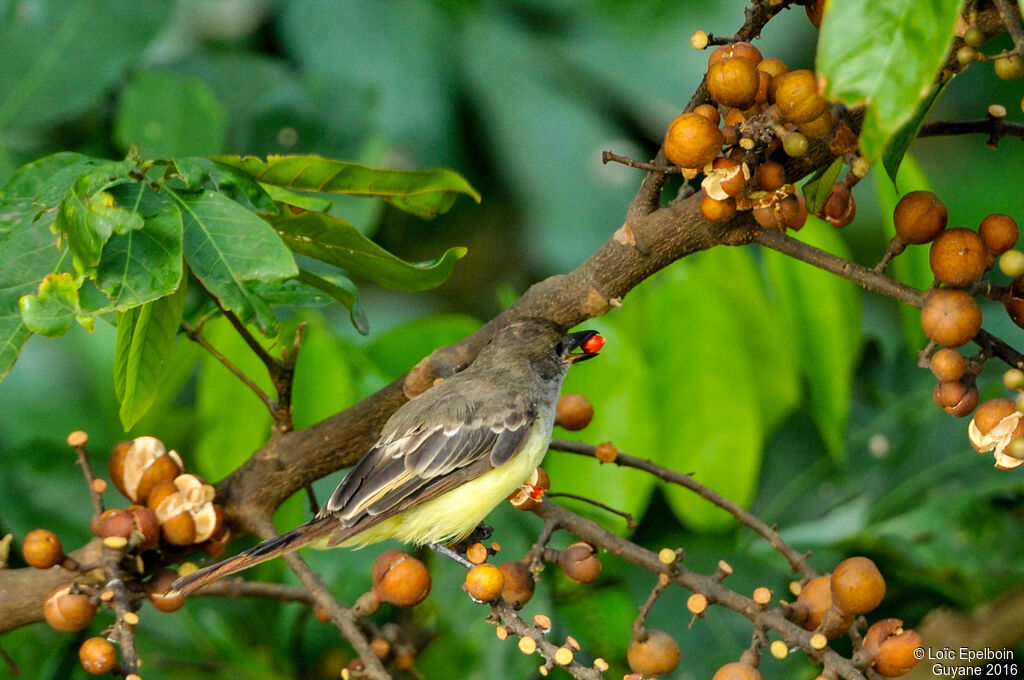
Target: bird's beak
{"points": [[588, 342]]}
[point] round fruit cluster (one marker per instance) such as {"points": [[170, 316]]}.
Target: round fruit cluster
{"points": [[765, 107], [1007, 65], [169, 509], [829, 604]]}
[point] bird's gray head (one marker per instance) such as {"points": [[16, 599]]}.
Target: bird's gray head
{"points": [[548, 351]]}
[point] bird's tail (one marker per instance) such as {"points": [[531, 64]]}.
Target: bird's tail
{"points": [[293, 540]]}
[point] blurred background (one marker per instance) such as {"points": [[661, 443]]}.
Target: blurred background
{"points": [[792, 393]]}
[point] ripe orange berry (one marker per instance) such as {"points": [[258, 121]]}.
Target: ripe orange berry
{"points": [[692, 141], [737, 670], [156, 591], [919, 217], [68, 612], [657, 654], [42, 549], [718, 211], [573, 411], [958, 257], [741, 49], [957, 397], [950, 317], [948, 364], [710, 112], [797, 98], [400, 579], [770, 176], [733, 82], [857, 585], [991, 412], [98, 655], [485, 582], [814, 600], [894, 649], [999, 233]]}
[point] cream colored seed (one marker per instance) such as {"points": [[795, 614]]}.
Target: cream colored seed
{"points": [[818, 641], [527, 645], [131, 618], [563, 656], [666, 555], [779, 649]]}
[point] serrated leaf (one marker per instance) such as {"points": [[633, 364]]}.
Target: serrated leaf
{"points": [[227, 245], [900, 141], [343, 291], [886, 55], [144, 344], [143, 264], [424, 193], [334, 241], [51, 311], [824, 313], [817, 188]]}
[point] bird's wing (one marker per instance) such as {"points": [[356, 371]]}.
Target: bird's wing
{"points": [[443, 446]]}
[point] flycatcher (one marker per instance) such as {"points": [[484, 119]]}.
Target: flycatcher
{"points": [[446, 458]]}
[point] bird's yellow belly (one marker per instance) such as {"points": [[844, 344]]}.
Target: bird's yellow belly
{"points": [[455, 514]]}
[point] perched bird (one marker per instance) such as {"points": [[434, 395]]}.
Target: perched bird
{"points": [[446, 458]]}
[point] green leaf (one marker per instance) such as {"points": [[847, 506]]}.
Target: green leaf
{"points": [[342, 290], [817, 188], [89, 215], [226, 245], [143, 264], [226, 180], [38, 186], [334, 241], [168, 114], [886, 55], [823, 312], [294, 198], [144, 345], [52, 310], [900, 142], [424, 193], [325, 373], [60, 57]]}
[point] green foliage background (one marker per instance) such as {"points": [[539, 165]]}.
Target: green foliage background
{"points": [[784, 388]]}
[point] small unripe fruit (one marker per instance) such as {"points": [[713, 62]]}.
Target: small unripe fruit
{"points": [[485, 582], [737, 671], [733, 82], [1013, 379], [519, 583], [966, 54], [950, 317], [797, 98], [819, 127], [857, 585], [656, 655], [580, 562], [919, 217], [68, 612], [974, 36], [794, 144], [958, 257], [98, 655], [42, 549], [573, 411], [400, 578], [948, 364], [692, 141], [999, 233], [1011, 263], [770, 176], [1009, 67], [718, 211]]}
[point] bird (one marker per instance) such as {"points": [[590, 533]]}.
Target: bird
{"points": [[445, 458]]}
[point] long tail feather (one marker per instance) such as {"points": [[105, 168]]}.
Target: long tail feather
{"points": [[267, 550]]}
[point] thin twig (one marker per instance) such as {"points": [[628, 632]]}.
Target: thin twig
{"points": [[1012, 23], [197, 337], [630, 522], [611, 157], [796, 560], [638, 628], [11, 663]]}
